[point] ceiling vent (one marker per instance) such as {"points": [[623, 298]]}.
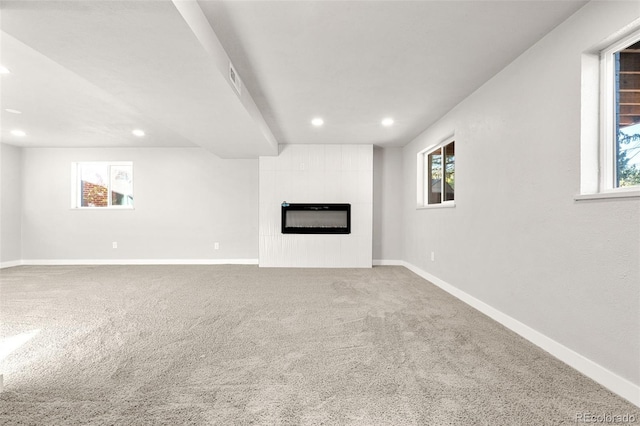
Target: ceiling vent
{"points": [[235, 79]]}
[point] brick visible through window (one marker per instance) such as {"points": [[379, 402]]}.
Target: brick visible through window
{"points": [[103, 184]]}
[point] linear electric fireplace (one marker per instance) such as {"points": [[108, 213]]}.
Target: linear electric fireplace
{"points": [[316, 218]]}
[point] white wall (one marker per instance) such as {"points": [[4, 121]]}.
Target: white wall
{"points": [[317, 174], [185, 200], [10, 204], [387, 205], [516, 239]]}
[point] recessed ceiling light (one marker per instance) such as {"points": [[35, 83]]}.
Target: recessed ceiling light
{"points": [[317, 121], [139, 133], [387, 122], [13, 111], [18, 133], [4, 70]]}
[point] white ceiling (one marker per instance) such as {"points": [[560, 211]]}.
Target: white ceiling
{"points": [[85, 73]]}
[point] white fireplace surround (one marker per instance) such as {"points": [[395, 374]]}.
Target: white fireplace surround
{"points": [[317, 174]]}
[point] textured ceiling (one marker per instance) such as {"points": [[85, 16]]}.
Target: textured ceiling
{"points": [[87, 73], [84, 73], [355, 62]]}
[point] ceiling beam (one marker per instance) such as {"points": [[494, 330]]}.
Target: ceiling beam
{"points": [[197, 21]]}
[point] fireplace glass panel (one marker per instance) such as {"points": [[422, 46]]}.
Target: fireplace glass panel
{"points": [[316, 218]]}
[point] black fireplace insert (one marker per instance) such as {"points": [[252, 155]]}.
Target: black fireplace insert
{"points": [[316, 218]]}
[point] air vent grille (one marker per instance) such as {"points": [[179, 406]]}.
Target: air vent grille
{"points": [[235, 79]]}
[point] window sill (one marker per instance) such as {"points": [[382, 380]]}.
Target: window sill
{"points": [[635, 193], [103, 208], [437, 206]]}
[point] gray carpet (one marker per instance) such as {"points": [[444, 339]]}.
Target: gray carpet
{"points": [[238, 345]]}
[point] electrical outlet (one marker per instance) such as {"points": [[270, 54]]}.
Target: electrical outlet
{"points": [[433, 256], [114, 244], [216, 246]]}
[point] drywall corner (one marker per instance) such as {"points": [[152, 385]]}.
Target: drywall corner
{"points": [[10, 205]]}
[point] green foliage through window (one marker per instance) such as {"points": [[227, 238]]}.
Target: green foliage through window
{"points": [[628, 149]]}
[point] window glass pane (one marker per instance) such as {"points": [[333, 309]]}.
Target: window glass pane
{"points": [[449, 171], [93, 185], [434, 173], [627, 110], [121, 185]]}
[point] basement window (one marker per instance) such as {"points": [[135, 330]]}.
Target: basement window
{"points": [[102, 185], [621, 114], [436, 175], [610, 120]]}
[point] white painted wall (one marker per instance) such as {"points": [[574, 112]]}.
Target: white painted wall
{"points": [[10, 204], [317, 174], [185, 200], [387, 205], [516, 239]]}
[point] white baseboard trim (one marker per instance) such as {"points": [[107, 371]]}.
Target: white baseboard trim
{"points": [[619, 385], [70, 262], [10, 264], [387, 262]]}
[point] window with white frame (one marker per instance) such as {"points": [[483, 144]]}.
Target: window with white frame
{"points": [[102, 184], [620, 119], [436, 175]]}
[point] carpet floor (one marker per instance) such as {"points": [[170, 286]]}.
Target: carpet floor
{"points": [[239, 345]]}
